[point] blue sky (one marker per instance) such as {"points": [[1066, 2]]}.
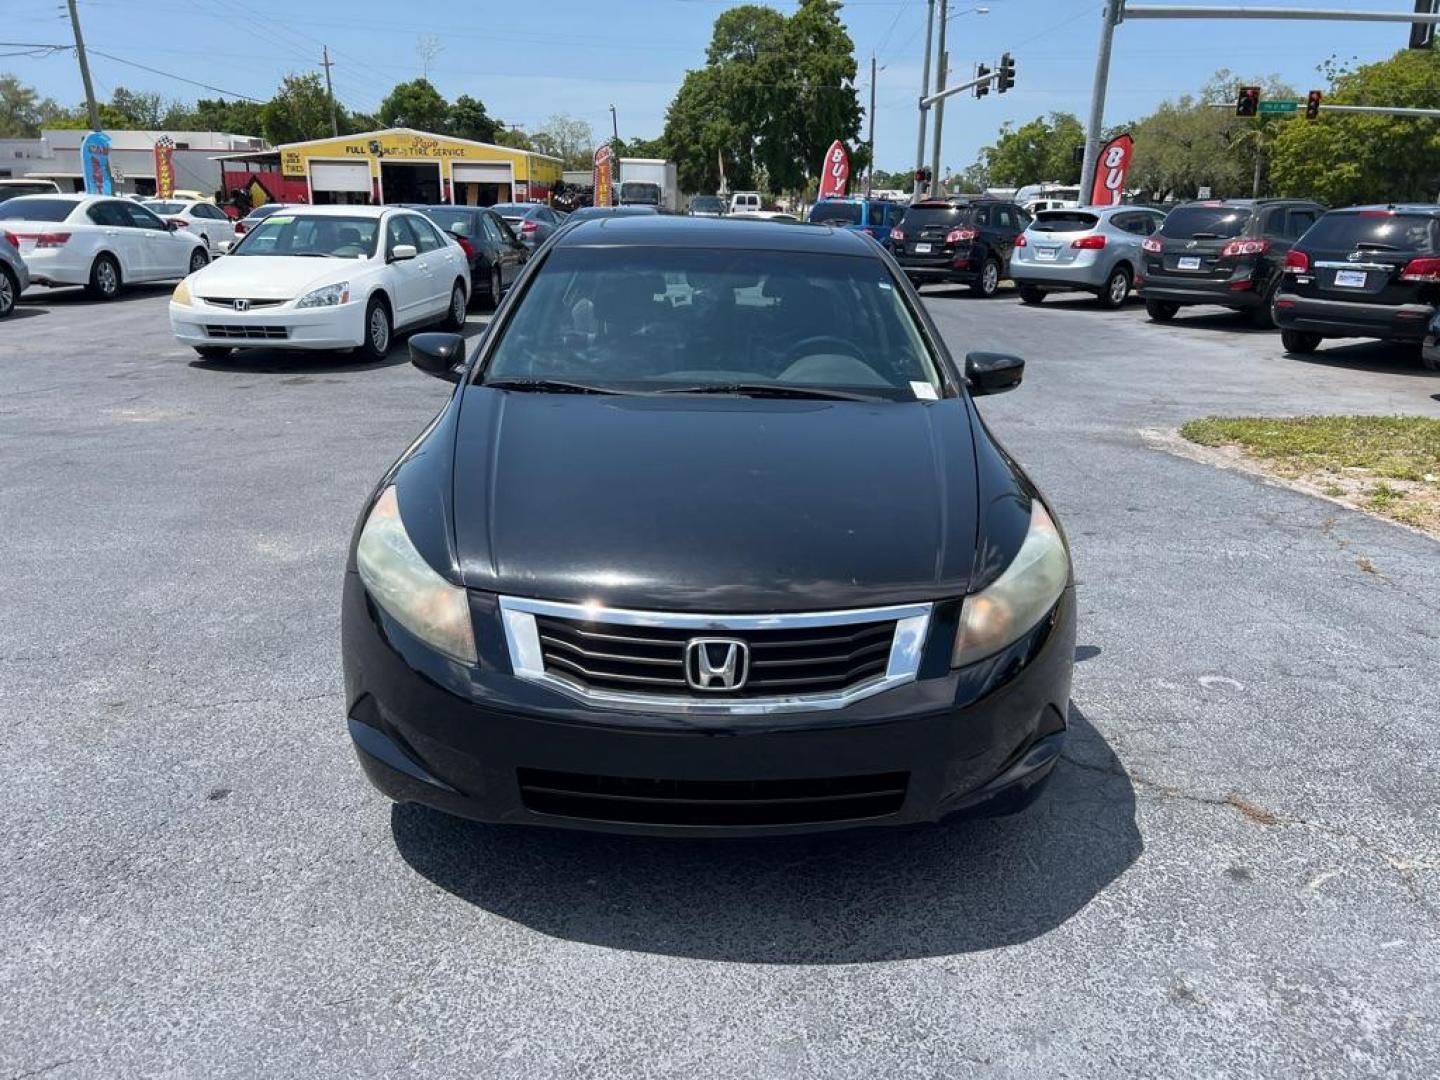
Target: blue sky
{"points": [[580, 56]]}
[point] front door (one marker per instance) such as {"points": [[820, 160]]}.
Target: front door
{"points": [[407, 275]]}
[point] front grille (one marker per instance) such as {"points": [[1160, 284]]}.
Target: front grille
{"points": [[637, 801], [651, 660], [268, 333], [229, 302]]}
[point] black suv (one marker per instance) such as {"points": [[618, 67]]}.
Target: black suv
{"points": [[966, 240], [1369, 271], [1222, 251]]}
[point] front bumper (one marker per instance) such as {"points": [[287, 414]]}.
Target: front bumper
{"points": [[280, 327], [483, 744], [1349, 318]]}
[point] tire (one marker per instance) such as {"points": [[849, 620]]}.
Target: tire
{"points": [[988, 283], [199, 259], [1161, 310], [495, 287], [105, 280], [213, 352], [1117, 289], [9, 291], [1299, 342], [455, 313], [1032, 294], [1430, 361], [378, 330]]}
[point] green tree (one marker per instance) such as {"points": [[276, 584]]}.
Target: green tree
{"points": [[144, 109], [300, 110], [513, 138], [469, 120], [1035, 152], [217, 114], [700, 131], [1344, 159], [415, 104], [23, 112]]}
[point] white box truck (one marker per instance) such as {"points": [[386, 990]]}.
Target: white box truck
{"points": [[649, 182]]}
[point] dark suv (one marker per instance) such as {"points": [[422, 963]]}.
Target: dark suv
{"points": [[966, 240], [1222, 251], [1371, 271]]}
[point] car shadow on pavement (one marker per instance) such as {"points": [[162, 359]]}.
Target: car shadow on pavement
{"points": [[1220, 320], [1381, 356], [858, 897], [20, 311], [305, 362], [79, 297]]}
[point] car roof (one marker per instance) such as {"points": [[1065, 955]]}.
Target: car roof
{"points": [[1399, 208], [664, 230], [331, 211]]}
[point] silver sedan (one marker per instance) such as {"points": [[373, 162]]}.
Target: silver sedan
{"points": [[1089, 249]]}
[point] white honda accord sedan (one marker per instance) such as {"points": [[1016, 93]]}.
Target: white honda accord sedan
{"points": [[324, 277]]}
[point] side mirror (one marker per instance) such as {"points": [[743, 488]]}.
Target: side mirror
{"points": [[225, 246], [438, 354], [403, 252], [174, 226], [993, 373]]}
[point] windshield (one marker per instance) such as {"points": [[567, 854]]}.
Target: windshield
{"points": [[313, 235], [14, 191], [33, 209], [459, 222], [1064, 221], [511, 211], [636, 192], [585, 213], [707, 204], [1206, 222], [164, 207], [651, 319], [836, 213], [924, 214], [1379, 230]]}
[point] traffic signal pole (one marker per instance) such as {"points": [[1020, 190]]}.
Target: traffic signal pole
{"points": [[1117, 11], [924, 88]]}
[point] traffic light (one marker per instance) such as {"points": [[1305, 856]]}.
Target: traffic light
{"points": [[1248, 103], [1312, 105], [1007, 73], [983, 73]]}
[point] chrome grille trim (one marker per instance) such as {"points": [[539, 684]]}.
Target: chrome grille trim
{"points": [[522, 639]]}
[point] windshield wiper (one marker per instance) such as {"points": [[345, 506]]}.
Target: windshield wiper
{"points": [[312, 255], [547, 386], [760, 390]]}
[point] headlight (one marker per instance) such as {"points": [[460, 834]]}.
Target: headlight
{"points": [[403, 583], [181, 295], [328, 296], [1013, 603]]}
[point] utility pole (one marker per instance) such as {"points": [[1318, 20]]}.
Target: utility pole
{"points": [[870, 138], [614, 125], [330, 90], [1113, 11], [942, 71], [90, 105], [924, 89]]}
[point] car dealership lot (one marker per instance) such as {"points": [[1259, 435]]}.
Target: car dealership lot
{"points": [[1237, 872]]}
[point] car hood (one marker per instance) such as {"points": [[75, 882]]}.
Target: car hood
{"points": [[713, 504], [271, 277]]}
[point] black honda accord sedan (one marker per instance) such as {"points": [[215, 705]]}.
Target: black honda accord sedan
{"points": [[709, 540]]}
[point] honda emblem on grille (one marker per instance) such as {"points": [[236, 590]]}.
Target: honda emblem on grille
{"points": [[716, 663], [241, 305], [1355, 256]]}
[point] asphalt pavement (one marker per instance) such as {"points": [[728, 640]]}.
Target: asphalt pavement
{"points": [[1235, 873]]}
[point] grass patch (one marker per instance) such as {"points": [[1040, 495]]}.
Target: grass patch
{"points": [[1388, 465]]}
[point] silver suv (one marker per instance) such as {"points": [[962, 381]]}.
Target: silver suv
{"points": [[1090, 249]]}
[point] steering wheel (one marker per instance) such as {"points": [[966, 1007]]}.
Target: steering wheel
{"points": [[806, 347]]}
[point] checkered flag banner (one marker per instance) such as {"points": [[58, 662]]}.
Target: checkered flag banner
{"points": [[165, 142]]}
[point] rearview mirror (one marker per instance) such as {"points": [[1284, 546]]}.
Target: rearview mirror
{"points": [[993, 373], [438, 354], [402, 252]]}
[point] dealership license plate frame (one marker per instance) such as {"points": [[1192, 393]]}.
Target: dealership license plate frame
{"points": [[1047, 254], [1351, 279]]}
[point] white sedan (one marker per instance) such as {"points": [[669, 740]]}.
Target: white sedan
{"points": [[204, 219], [324, 277], [97, 241]]}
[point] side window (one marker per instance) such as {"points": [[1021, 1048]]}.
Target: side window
{"points": [[1153, 223], [1300, 221], [879, 214], [982, 215], [398, 232], [1004, 217], [140, 217], [427, 239], [1022, 219], [107, 214], [1274, 224], [208, 211], [493, 232]]}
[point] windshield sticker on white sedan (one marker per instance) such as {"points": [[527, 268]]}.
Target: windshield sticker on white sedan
{"points": [[276, 219], [923, 391], [886, 286]]}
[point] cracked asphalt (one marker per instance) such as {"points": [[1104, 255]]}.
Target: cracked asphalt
{"points": [[1236, 872]]}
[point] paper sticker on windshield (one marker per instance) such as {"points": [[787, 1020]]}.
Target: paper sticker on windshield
{"points": [[276, 219], [886, 286], [924, 391]]}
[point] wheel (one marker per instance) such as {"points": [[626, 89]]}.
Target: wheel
{"points": [[989, 279], [9, 291], [1430, 360], [213, 352], [455, 314], [199, 259], [1161, 310], [1263, 317], [1031, 294], [1117, 289], [1299, 342], [377, 330], [495, 286], [104, 278]]}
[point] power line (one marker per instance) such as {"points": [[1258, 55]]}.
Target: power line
{"points": [[179, 78]]}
